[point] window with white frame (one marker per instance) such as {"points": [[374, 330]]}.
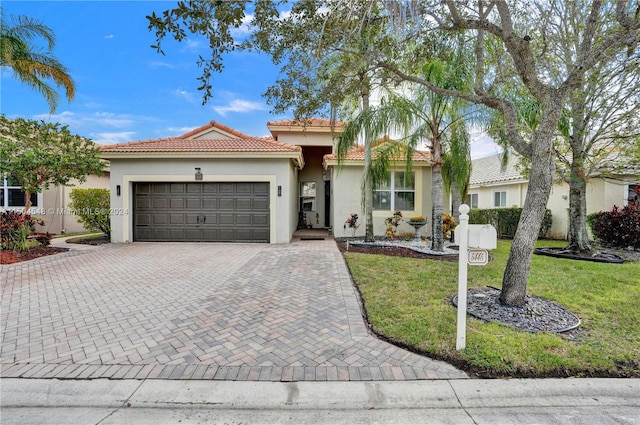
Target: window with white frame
{"points": [[12, 196], [397, 193], [632, 193], [500, 199], [472, 200]]}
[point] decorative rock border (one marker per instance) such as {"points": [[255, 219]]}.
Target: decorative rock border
{"points": [[537, 315], [601, 257]]}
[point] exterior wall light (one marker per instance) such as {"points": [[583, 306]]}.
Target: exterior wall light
{"points": [[198, 174]]}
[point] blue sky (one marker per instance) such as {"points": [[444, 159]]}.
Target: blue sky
{"points": [[126, 91]]}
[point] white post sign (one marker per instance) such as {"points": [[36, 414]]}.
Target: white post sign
{"points": [[473, 242]]}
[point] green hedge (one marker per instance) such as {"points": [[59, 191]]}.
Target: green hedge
{"points": [[505, 220]]}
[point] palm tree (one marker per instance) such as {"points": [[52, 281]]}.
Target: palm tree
{"points": [[419, 115], [30, 64], [456, 166]]}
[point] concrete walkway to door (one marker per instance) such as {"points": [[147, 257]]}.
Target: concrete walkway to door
{"points": [[195, 311]]}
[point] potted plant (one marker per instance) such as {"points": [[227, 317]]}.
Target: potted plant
{"points": [[417, 221]]}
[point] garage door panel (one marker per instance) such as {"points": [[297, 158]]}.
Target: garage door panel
{"points": [[226, 219], [243, 219], [177, 188], [244, 188], [244, 234], [243, 204], [159, 188], [160, 203], [160, 218], [143, 219], [201, 211], [177, 219], [261, 189], [226, 204], [193, 203], [260, 219], [210, 234], [209, 219], [143, 202], [226, 235], [210, 188], [210, 204], [194, 187], [260, 235], [260, 204], [177, 203]]}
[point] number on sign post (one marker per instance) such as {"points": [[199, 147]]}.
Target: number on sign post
{"points": [[478, 257]]}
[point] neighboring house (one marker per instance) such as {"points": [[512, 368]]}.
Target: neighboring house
{"points": [[218, 184], [52, 205], [492, 186]]}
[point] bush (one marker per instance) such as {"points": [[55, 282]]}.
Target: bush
{"points": [[505, 220], [92, 208], [392, 224], [16, 227], [619, 228]]}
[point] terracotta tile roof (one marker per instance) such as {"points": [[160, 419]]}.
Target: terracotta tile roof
{"points": [[489, 170], [179, 144], [309, 122], [357, 154], [214, 124]]}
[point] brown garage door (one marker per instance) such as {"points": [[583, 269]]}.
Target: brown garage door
{"points": [[201, 212]]}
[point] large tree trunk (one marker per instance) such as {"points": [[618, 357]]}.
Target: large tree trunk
{"points": [[437, 195], [516, 274], [578, 235], [368, 181]]}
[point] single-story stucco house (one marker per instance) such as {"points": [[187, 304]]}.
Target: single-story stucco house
{"points": [[494, 186], [217, 184], [51, 205]]}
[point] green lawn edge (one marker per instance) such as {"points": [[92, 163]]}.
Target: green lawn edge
{"points": [[407, 302]]}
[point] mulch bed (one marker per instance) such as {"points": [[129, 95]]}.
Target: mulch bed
{"points": [[536, 315], [12, 257], [393, 251]]}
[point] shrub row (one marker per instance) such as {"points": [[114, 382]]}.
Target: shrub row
{"points": [[618, 228], [16, 228], [505, 220]]}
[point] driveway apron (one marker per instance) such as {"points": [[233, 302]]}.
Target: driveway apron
{"points": [[254, 312]]}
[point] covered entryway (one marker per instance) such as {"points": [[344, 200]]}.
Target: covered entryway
{"points": [[201, 212]]}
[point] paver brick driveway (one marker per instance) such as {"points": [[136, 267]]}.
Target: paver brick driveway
{"points": [[195, 311]]}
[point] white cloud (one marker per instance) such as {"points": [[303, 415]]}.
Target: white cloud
{"points": [[109, 36], [161, 64], [239, 105], [244, 29], [178, 131], [66, 117], [110, 119], [186, 95], [193, 45], [107, 138]]}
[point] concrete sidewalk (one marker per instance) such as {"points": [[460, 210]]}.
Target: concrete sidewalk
{"points": [[514, 401]]}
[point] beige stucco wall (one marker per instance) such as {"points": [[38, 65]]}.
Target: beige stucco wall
{"points": [[301, 138], [602, 195], [516, 193], [346, 199], [54, 209], [276, 171]]}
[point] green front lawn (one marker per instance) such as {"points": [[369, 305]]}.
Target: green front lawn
{"points": [[407, 301]]}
